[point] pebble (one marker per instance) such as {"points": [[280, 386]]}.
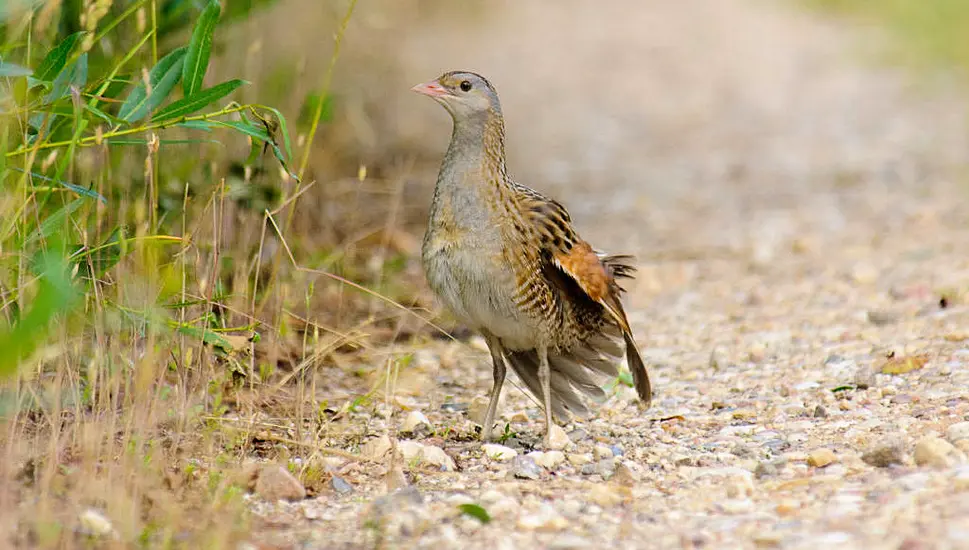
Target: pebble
{"points": [[376, 448], [957, 432], [341, 485], [626, 474], [864, 378], [937, 453], [428, 454], [499, 452], [606, 467], [548, 459], [524, 467], [544, 519], [608, 495], [478, 409], [413, 420], [579, 459], [602, 451], [276, 483], [557, 438], [819, 458], [94, 523], [885, 454]]}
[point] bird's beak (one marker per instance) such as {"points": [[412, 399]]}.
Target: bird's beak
{"points": [[431, 88]]}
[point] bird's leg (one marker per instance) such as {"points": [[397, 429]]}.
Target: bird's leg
{"points": [[498, 360], [545, 377]]}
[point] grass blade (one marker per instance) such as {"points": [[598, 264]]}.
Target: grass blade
{"points": [[56, 294], [162, 78], [199, 49], [196, 101]]}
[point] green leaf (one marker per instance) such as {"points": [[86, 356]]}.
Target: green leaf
{"points": [[55, 221], [56, 59], [204, 125], [74, 75], [94, 262], [162, 78], [209, 337], [11, 70], [55, 294], [256, 132], [475, 511], [102, 115], [196, 101], [83, 191], [199, 49]]}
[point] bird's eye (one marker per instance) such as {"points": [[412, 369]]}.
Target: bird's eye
{"points": [[465, 86]]}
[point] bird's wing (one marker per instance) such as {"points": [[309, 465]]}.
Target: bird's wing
{"points": [[568, 258], [593, 272]]}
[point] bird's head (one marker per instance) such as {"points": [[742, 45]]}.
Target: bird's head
{"points": [[464, 94]]}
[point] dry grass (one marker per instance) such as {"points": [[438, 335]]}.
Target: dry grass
{"points": [[224, 314]]}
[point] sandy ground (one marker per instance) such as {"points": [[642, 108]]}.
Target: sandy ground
{"points": [[797, 214]]}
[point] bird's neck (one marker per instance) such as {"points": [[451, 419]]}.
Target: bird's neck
{"points": [[478, 146], [472, 182]]}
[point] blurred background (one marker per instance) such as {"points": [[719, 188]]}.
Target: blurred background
{"points": [[191, 280]]}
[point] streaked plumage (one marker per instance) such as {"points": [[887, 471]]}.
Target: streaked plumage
{"points": [[507, 261]]}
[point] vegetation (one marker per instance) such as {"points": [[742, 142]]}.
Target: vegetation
{"points": [[930, 32], [152, 311]]}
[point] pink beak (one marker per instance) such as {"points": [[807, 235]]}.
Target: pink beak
{"points": [[432, 89]]}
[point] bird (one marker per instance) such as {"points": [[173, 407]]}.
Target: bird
{"points": [[507, 261]]}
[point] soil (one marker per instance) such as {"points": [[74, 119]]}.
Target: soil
{"points": [[797, 208]]}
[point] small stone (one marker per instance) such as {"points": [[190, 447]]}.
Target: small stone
{"points": [[602, 451], [499, 452], [276, 483], [413, 420], [960, 481], [570, 542], [626, 475], [376, 448], [757, 352], [579, 459], [340, 485], [864, 378], [427, 454], [883, 316], [545, 519], [957, 432], [820, 412], [518, 416], [548, 459], [768, 469], [935, 452], [524, 467], [819, 458], [606, 467], [578, 434], [885, 454], [557, 438], [94, 523], [437, 457], [478, 409], [608, 495], [788, 507], [740, 486]]}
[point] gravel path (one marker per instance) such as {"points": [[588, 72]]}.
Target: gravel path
{"points": [[803, 296]]}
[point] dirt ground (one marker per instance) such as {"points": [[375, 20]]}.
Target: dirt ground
{"points": [[802, 300]]}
